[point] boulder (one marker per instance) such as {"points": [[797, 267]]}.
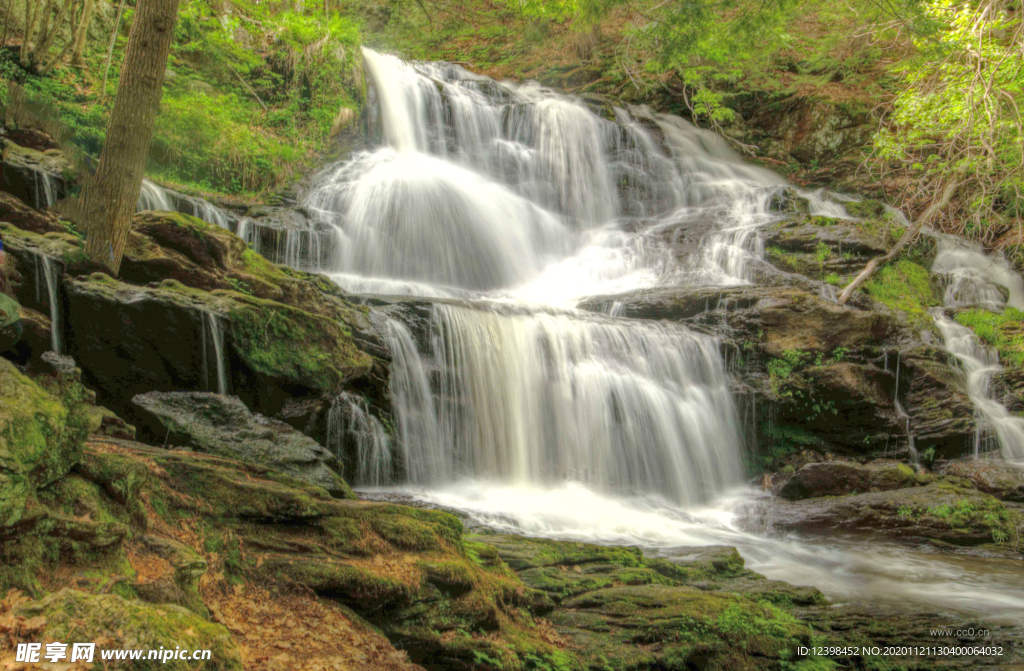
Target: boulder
{"points": [[941, 511], [1003, 480], [621, 609], [39, 441], [838, 478], [222, 425], [933, 395], [778, 319], [168, 337]]}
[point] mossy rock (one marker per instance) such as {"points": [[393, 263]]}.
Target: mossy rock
{"points": [[75, 617], [10, 322], [37, 445], [836, 478]]}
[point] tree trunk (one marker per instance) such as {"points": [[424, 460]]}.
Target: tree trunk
{"points": [[110, 50], [909, 236], [32, 12], [108, 200], [82, 33]]}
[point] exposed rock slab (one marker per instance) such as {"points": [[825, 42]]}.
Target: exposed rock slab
{"points": [[998, 478], [222, 425], [836, 478]]}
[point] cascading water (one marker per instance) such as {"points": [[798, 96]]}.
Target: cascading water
{"points": [[544, 398], [213, 338], [45, 189], [350, 422], [973, 278], [156, 198], [506, 204], [48, 270]]}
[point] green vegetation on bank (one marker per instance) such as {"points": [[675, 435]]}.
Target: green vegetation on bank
{"points": [[252, 94], [1003, 331]]}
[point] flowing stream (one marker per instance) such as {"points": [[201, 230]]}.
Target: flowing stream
{"points": [[500, 206]]}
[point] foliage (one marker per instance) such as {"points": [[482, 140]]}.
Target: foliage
{"points": [[251, 97], [904, 285], [956, 118], [1003, 331]]}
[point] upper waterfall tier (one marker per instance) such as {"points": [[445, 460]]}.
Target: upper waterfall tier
{"points": [[483, 185]]}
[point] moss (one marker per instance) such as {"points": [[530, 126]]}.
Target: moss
{"points": [[76, 617], [40, 440], [906, 286], [1003, 331], [285, 342]]}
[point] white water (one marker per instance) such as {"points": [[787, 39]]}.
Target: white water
{"points": [[213, 336], [512, 202], [974, 275], [979, 363], [158, 199], [972, 280], [48, 270], [45, 189]]}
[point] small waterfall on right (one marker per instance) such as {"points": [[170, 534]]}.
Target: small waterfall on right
{"points": [[214, 335], [973, 280], [979, 363]]}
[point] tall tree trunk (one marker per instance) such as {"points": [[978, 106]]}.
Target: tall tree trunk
{"points": [[108, 200], [110, 50], [48, 31], [32, 12], [82, 32]]}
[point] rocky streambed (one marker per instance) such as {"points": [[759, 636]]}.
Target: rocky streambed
{"points": [[183, 475]]}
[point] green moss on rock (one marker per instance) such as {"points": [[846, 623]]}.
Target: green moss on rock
{"points": [[37, 443], [76, 617]]}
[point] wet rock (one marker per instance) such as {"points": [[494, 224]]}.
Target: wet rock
{"points": [[941, 511], [838, 478], [169, 337], [15, 212], [222, 425], [776, 318], [817, 247], [1002, 480], [624, 610], [34, 177], [933, 395]]}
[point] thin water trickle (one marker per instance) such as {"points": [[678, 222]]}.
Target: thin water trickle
{"points": [[49, 272], [214, 336]]}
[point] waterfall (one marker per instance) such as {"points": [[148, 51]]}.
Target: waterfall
{"points": [[484, 186], [972, 274], [979, 363], [213, 335], [972, 278], [518, 201], [632, 408], [47, 269], [349, 422], [46, 188], [158, 199]]}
